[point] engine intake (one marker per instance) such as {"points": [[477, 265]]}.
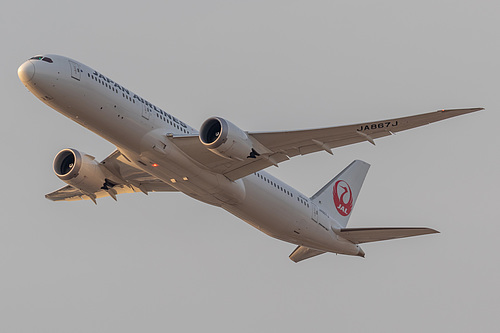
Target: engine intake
{"points": [[227, 140], [79, 170], [65, 164]]}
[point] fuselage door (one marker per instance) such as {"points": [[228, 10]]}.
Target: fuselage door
{"points": [[314, 212], [145, 111], [76, 71]]}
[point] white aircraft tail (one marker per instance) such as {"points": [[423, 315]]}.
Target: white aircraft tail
{"points": [[338, 197]]}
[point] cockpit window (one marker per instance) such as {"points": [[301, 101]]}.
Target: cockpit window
{"points": [[42, 58]]}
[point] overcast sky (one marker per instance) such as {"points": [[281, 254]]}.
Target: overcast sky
{"points": [[166, 262]]}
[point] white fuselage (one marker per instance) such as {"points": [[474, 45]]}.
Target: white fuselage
{"points": [[141, 131]]}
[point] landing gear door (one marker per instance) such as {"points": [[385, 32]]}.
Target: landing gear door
{"points": [[76, 71]]}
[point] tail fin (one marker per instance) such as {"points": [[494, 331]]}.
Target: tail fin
{"points": [[338, 197]]}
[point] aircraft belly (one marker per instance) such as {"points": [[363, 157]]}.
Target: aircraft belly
{"points": [[172, 168], [270, 213], [283, 219]]}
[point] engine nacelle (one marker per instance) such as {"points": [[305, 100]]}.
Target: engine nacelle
{"points": [[79, 170], [227, 140]]}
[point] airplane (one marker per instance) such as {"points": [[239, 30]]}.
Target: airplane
{"points": [[221, 164]]}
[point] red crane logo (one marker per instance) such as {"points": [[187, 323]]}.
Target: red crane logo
{"points": [[342, 197]]}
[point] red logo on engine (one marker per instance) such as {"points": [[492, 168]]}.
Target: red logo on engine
{"points": [[342, 197]]}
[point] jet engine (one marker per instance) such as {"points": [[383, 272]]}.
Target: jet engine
{"points": [[227, 140], [80, 170]]}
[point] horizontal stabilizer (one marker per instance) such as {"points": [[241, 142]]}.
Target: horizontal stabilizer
{"points": [[302, 253], [367, 235]]}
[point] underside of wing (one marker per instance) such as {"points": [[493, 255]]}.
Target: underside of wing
{"points": [[276, 147], [232, 169], [303, 142], [126, 179], [368, 235]]}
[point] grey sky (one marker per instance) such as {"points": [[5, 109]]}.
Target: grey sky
{"points": [[166, 262]]}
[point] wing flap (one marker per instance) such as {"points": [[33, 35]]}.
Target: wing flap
{"points": [[367, 235]]}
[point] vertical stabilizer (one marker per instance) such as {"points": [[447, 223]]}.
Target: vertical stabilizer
{"points": [[338, 197]]}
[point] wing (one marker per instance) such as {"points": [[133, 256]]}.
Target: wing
{"points": [[128, 179], [282, 146]]}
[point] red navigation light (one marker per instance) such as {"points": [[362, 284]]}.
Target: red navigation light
{"points": [[154, 165]]}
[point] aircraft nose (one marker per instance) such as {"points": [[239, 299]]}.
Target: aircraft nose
{"points": [[26, 71]]}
